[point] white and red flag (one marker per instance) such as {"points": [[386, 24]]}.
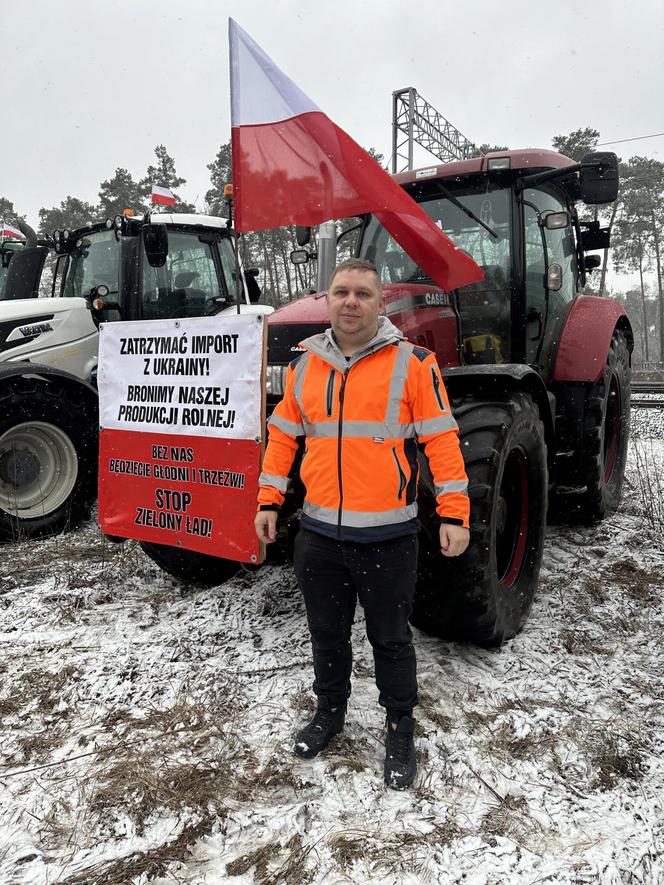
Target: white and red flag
{"points": [[9, 231], [164, 196], [293, 165]]}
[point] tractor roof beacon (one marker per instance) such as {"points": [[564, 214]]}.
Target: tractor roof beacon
{"points": [[130, 268], [538, 373]]}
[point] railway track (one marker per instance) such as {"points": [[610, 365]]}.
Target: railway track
{"points": [[656, 387], [641, 391], [638, 402]]}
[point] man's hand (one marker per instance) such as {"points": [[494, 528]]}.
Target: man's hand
{"points": [[453, 539], [266, 525]]}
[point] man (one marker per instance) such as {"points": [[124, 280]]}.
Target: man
{"points": [[362, 397]]}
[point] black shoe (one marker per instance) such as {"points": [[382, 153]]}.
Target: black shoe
{"points": [[315, 736], [400, 760]]}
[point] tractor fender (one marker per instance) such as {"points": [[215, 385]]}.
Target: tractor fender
{"points": [[489, 381], [51, 375], [586, 337]]}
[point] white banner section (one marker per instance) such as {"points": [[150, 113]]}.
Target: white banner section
{"points": [[195, 377]]}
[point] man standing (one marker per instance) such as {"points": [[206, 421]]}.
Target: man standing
{"points": [[363, 397]]}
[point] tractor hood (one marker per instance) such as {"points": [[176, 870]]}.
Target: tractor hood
{"points": [[51, 331]]}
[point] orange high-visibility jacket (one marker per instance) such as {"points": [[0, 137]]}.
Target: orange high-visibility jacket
{"points": [[362, 420]]}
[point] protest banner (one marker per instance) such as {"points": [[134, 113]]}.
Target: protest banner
{"points": [[181, 413]]}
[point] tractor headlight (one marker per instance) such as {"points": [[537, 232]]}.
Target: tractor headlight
{"points": [[275, 378]]}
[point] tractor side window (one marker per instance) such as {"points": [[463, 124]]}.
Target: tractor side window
{"points": [[560, 246], [94, 261], [187, 284], [559, 249], [227, 256], [535, 281]]}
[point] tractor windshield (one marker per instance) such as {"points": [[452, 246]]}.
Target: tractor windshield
{"points": [[189, 283], [484, 307], [93, 262]]}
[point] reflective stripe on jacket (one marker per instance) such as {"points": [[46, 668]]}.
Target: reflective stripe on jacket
{"points": [[362, 421]]}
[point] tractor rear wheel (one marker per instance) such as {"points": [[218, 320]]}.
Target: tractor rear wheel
{"points": [[606, 418], [188, 565], [485, 595], [48, 458]]}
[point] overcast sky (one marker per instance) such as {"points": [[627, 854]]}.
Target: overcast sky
{"points": [[89, 86]]}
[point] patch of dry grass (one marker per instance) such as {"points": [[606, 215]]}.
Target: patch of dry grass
{"points": [[151, 863], [44, 688], [508, 818], [391, 852], [638, 582], [143, 785], [291, 871], [615, 758], [430, 706]]}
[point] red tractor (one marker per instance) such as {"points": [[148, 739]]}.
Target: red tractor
{"points": [[538, 374]]}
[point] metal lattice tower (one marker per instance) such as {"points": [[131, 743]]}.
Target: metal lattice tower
{"points": [[414, 120]]}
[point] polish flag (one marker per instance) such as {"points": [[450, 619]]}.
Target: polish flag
{"points": [[293, 165], [9, 231], [162, 195]]}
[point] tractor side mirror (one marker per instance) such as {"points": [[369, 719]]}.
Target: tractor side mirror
{"points": [[299, 256], [302, 235], [253, 289], [591, 262], [155, 240], [594, 237], [556, 220], [599, 177]]}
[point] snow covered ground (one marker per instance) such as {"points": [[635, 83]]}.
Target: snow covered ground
{"points": [[145, 727]]}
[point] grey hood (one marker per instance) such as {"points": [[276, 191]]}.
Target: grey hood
{"points": [[325, 346]]}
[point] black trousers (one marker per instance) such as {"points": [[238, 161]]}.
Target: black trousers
{"points": [[333, 575]]}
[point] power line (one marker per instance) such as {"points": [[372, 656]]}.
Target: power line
{"points": [[637, 138]]}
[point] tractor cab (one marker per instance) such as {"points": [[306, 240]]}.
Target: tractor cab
{"points": [[166, 266], [515, 215]]}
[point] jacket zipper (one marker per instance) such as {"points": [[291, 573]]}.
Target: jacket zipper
{"points": [[436, 390], [339, 438], [402, 475], [330, 393]]}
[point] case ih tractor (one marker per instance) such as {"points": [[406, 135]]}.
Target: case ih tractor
{"points": [[538, 374], [129, 268]]}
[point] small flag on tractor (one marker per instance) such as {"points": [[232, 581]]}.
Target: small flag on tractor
{"points": [[9, 231], [163, 196], [293, 165]]}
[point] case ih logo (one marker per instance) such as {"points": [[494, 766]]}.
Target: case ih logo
{"points": [[436, 299], [37, 329]]}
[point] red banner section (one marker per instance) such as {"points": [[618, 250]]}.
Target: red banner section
{"points": [[182, 491]]}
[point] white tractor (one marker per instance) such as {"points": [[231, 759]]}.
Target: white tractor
{"points": [[157, 267]]}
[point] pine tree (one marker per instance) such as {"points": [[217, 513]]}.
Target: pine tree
{"points": [[163, 174], [8, 213], [119, 193], [577, 144], [221, 171], [72, 213]]}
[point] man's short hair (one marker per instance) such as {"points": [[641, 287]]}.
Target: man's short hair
{"points": [[356, 264]]}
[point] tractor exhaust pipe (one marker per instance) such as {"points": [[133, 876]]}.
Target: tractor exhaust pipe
{"points": [[28, 233], [327, 253]]}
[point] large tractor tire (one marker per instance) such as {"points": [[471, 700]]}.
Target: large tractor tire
{"points": [[48, 458], [485, 595], [603, 455], [187, 565]]}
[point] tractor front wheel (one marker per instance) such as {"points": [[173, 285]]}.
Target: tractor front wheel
{"points": [[606, 419], [484, 596], [48, 458], [188, 565]]}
